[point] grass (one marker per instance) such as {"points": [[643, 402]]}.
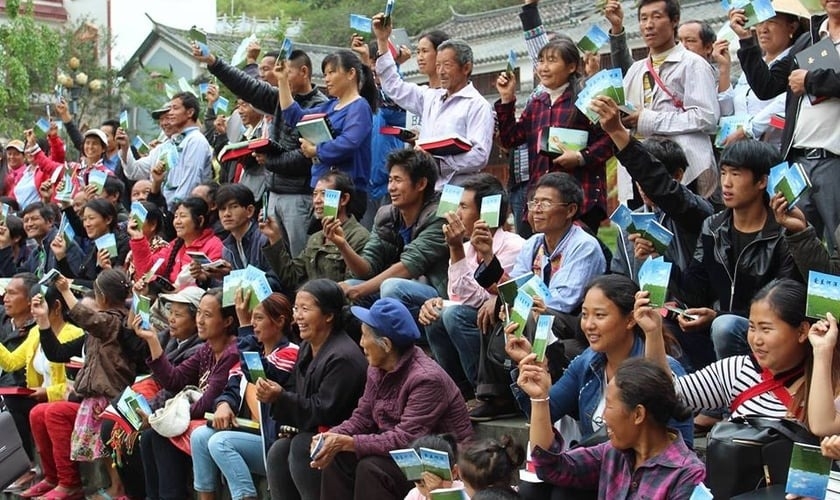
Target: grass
{"points": [[607, 234], [817, 306]]}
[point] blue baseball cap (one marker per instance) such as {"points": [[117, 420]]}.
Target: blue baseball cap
{"points": [[391, 319]]}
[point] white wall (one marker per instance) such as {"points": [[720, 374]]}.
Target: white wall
{"points": [[130, 25]]}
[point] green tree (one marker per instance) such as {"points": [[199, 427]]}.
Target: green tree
{"points": [[29, 54]]}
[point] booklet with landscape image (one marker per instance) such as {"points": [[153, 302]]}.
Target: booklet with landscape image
{"points": [[509, 289], [436, 462], [142, 306], [536, 287], [594, 39], [607, 83], [130, 405], [258, 285], [728, 125], [409, 462], [490, 208], [360, 23], [809, 472], [511, 62], [253, 363], [448, 494], [316, 128], [654, 276], [519, 312], [792, 182], [823, 295], [622, 218], [332, 198], [542, 336], [658, 235], [554, 141], [640, 221], [450, 198], [138, 213], [231, 283], [97, 178], [107, 242]]}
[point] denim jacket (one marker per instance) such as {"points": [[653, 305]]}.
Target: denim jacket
{"points": [[581, 387]]}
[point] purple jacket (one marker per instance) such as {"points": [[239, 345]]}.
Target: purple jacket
{"points": [[416, 399], [201, 370]]}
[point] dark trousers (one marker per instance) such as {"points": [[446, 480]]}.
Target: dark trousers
{"points": [[130, 468], [166, 468], [289, 475], [546, 491], [371, 477], [20, 407]]}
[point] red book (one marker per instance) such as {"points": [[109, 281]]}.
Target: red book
{"points": [[777, 121], [445, 146], [406, 135], [16, 391]]}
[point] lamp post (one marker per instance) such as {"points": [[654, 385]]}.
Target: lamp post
{"points": [[76, 82]]}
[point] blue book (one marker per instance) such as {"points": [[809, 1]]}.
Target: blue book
{"points": [[124, 120], [286, 48], [640, 221], [361, 24], [43, 124], [332, 199], [594, 39], [658, 235], [511, 62], [138, 213], [728, 125], [654, 276], [793, 183], [97, 178], [621, 217], [536, 287], [775, 175], [221, 105]]}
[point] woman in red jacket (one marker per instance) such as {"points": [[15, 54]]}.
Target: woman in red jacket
{"points": [[192, 235]]}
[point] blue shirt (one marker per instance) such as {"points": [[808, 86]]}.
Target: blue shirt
{"points": [[581, 260], [193, 166], [349, 151]]}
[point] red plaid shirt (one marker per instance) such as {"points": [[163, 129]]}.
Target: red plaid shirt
{"points": [[539, 114]]}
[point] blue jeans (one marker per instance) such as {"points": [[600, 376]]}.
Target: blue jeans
{"points": [[410, 292], [729, 335], [292, 212], [238, 455], [456, 343]]}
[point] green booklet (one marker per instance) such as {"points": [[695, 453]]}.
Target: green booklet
{"points": [[107, 242], [409, 462], [253, 363], [138, 213], [436, 462], [542, 336], [809, 472], [823, 295], [140, 145], [791, 181], [450, 198], [142, 306], [231, 283], [509, 289], [554, 141], [490, 208], [332, 198], [658, 235], [519, 312], [654, 276], [448, 494], [97, 178], [124, 120]]}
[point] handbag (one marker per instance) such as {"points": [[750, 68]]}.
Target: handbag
{"points": [[747, 453], [174, 418], [13, 459]]}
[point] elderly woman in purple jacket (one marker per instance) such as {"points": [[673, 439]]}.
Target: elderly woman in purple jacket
{"points": [[407, 395]]}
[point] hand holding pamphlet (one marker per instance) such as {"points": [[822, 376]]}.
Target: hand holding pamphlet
{"points": [[253, 363], [654, 277], [790, 180], [594, 39], [823, 295], [107, 242], [450, 198], [809, 472], [490, 208], [542, 336], [332, 199]]}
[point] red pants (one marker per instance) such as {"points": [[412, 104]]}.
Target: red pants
{"points": [[52, 425]]}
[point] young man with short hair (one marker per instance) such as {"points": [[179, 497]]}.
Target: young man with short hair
{"points": [[320, 258], [452, 329], [407, 239], [39, 224]]}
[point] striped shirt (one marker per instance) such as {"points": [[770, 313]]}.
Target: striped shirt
{"points": [[718, 384]]}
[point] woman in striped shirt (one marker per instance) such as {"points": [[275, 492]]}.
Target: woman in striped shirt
{"points": [[780, 351]]}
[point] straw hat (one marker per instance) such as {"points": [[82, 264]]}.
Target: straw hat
{"points": [[792, 7]]}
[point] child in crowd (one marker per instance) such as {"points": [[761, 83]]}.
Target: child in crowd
{"points": [[490, 464], [430, 482]]}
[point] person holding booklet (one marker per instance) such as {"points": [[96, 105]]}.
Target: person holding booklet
{"points": [[166, 465], [348, 115], [643, 457], [585, 148], [109, 246], [193, 234], [453, 110], [329, 378], [442, 446], [153, 230], [45, 380], [39, 224], [321, 258], [407, 395], [813, 100], [224, 445]]}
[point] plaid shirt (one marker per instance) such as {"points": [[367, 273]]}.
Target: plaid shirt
{"points": [[539, 114], [672, 475]]}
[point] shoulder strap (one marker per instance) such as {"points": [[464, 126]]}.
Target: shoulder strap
{"points": [[659, 83], [769, 384]]}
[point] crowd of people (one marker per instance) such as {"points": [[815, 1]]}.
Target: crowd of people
{"points": [[384, 328]]}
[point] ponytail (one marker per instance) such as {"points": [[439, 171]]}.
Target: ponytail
{"points": [[367, 87]]}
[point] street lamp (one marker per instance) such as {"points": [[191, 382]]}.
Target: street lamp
{"points": [[76, 81]]}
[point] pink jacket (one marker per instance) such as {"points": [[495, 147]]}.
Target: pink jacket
{"points": [[144, 259]]}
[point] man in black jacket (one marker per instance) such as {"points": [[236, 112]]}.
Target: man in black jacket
{"points": [[288, 171], [810, 136]]}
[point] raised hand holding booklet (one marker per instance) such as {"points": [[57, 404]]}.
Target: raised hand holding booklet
{"points": [[361, 24], [823, 295], [519, 312], [791, 181], [253, 363], [654, 276], [594, 39], [97, 178], [658, 235], [138, 213], [450, 198], [107, 242], [142, 306], [809, 472], [542, 336], [409, 462], [199, 38], [140, 145], [511, 63], [640, 221], [332, 198], [436, 462], [231, 283], [490, 208], [124, 120], [238, 57], [622, 218]]}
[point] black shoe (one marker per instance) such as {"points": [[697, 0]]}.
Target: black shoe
{"points": [[488, 410]]}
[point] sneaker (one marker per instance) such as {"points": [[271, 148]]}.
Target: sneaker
{"points": [[486, 411]]}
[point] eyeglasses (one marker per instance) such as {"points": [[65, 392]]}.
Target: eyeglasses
{"points": [[545, 205]]}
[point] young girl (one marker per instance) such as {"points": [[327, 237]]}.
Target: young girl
{"points": [[265, 331], [489, 463], [166, 466], [559, 68], [193, 235], [430, 482], [66, 431]]}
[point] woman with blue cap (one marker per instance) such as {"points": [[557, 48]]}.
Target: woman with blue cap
{"points": [[407, 395]]}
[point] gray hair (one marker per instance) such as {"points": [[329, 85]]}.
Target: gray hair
{"points": [[463, 52]]}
